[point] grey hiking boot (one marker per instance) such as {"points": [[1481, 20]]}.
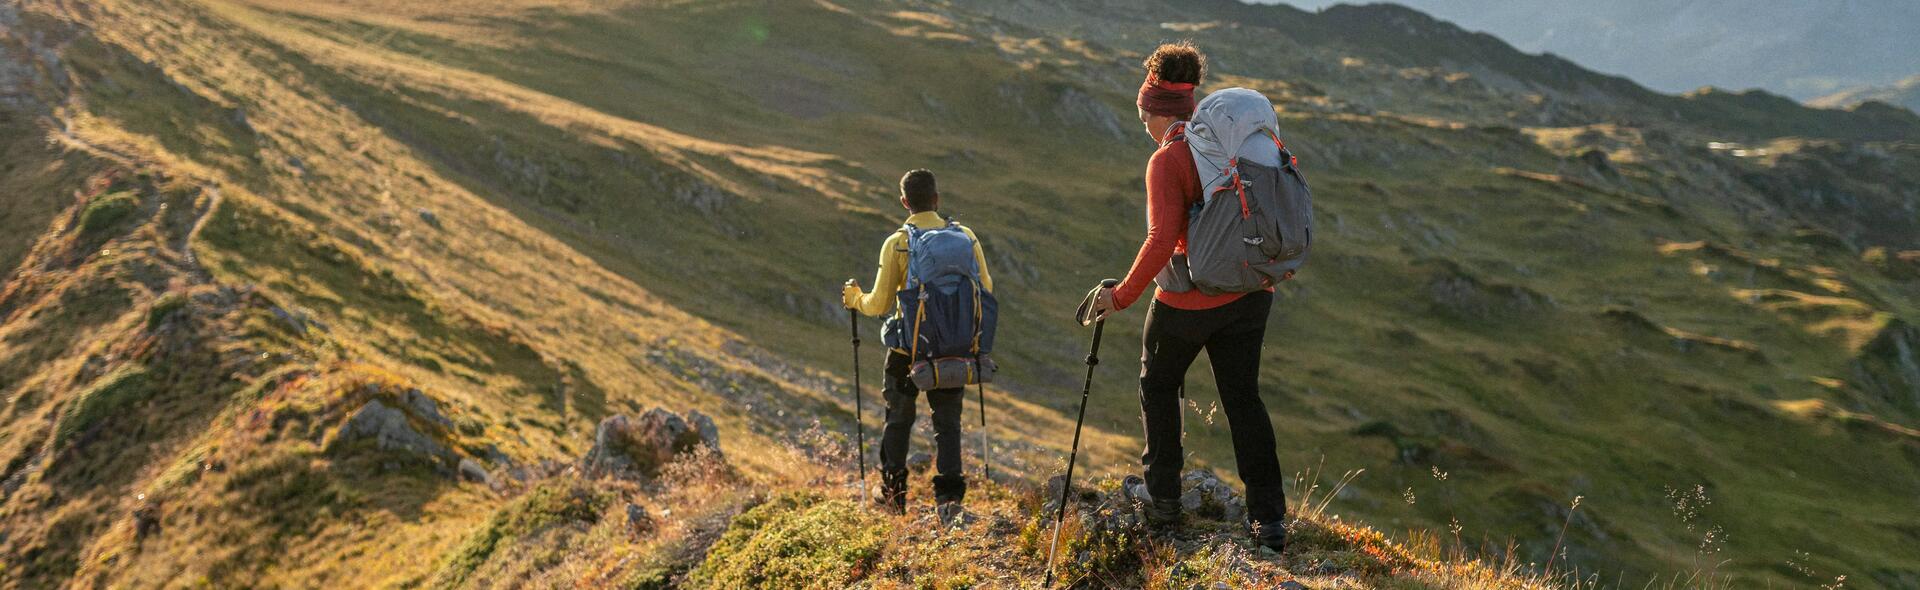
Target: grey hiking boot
{"points": [[1160, 514]]}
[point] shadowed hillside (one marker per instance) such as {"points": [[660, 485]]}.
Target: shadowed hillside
{"points": [[325, 293]]}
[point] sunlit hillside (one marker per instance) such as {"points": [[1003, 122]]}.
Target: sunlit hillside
{"points": [[1554, 316]]}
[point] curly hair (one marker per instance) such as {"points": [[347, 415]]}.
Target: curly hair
{"points": [[1177, 62]]}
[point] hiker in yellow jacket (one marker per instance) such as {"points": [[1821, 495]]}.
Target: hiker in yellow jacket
{"points": [[922, 201]]}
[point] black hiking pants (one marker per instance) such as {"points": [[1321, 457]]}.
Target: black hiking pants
{"points": [[1232, 335], [949, 485]]}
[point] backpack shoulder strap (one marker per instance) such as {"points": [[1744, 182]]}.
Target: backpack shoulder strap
{"points": [[1178, 132]]}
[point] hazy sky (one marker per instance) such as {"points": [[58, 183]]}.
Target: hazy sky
{"points": [[1800, 48]]}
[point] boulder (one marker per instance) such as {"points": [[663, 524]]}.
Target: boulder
{"points": [[425, 408], [1208, 497], [919, 462], [642, 445], [471, 470], [709, 432], [388, 427]]}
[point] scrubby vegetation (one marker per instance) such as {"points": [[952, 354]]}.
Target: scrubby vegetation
{"points": [[565, 502], [796, 540]]}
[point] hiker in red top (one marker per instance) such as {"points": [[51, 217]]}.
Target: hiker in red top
{"points": [[1231, 327]]}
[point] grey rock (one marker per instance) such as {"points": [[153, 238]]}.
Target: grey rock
{"points": [[606, 454], [1078, 108], [639, 523], [1208, 497], [471, 470], [709, 432], [429, 217], [389, 429], [425, 408], [664, 434], [642, 445], [295, 320], [919, 462]]}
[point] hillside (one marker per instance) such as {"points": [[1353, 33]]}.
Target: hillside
{"points": [[257, 242]]}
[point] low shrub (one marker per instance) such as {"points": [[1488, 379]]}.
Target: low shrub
{"points": [[797, 540]]}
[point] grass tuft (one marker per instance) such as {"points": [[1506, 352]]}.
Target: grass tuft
{"points": [[112, 394], [553, 503], [106, 211]]}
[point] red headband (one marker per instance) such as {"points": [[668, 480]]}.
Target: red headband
{"points": [[1167, 99]]}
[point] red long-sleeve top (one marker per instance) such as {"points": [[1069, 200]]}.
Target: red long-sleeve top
{"points": [[1173, 187]]}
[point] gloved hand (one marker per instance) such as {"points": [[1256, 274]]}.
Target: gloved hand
{"points": [[1103, 304], [850, 294], [1098, 304]]}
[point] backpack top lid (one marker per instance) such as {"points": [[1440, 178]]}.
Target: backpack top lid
{"points": [[941, 256], [1229, 124]]}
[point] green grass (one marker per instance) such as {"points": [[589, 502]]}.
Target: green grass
{"points": [[106, 211], [164, 307], [556, 503], [113, 394]]}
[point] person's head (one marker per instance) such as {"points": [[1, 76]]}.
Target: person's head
{"points": [[1173, 71], [917, 192]]}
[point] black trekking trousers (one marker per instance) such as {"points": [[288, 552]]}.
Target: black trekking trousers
{"points": [[949, 485], [1232, 335]]}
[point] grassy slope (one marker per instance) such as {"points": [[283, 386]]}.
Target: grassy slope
{"points": [[592, 173]]}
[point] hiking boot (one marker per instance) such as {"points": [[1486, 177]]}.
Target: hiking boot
{"points": [[1161, 514], [1271, 537], [893, 492]]}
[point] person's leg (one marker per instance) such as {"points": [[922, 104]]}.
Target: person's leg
{"points": [[1234, 352], [950, 485], [1164, 358], [900, 394]]}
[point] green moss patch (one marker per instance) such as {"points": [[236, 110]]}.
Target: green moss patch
{"points": [[106, 211], [796, 540]]}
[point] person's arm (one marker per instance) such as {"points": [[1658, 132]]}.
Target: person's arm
{"points": [[886, 281], [1166, 223], [980, 258]]}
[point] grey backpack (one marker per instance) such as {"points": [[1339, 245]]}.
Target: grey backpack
{"points": [[1253, 225]]}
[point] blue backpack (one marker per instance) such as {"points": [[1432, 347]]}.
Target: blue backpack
{"points": [[945, 320]]}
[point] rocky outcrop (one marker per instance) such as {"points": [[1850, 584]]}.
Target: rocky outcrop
{"points": [[388, 428], [625, 446], [1888, 367], [1202, 495], [1206, 496]]}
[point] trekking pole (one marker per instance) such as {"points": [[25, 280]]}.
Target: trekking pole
{"points": [[1093, 359], [986, 452], [859, 413]]}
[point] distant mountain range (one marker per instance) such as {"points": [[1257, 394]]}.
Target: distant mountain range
{"points": [[1794, 47], [1905, 93]]}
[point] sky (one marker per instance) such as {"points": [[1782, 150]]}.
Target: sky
{"points": [[1800, 48]]}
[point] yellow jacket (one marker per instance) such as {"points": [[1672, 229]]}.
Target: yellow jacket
{"points": [[893, 268]]}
